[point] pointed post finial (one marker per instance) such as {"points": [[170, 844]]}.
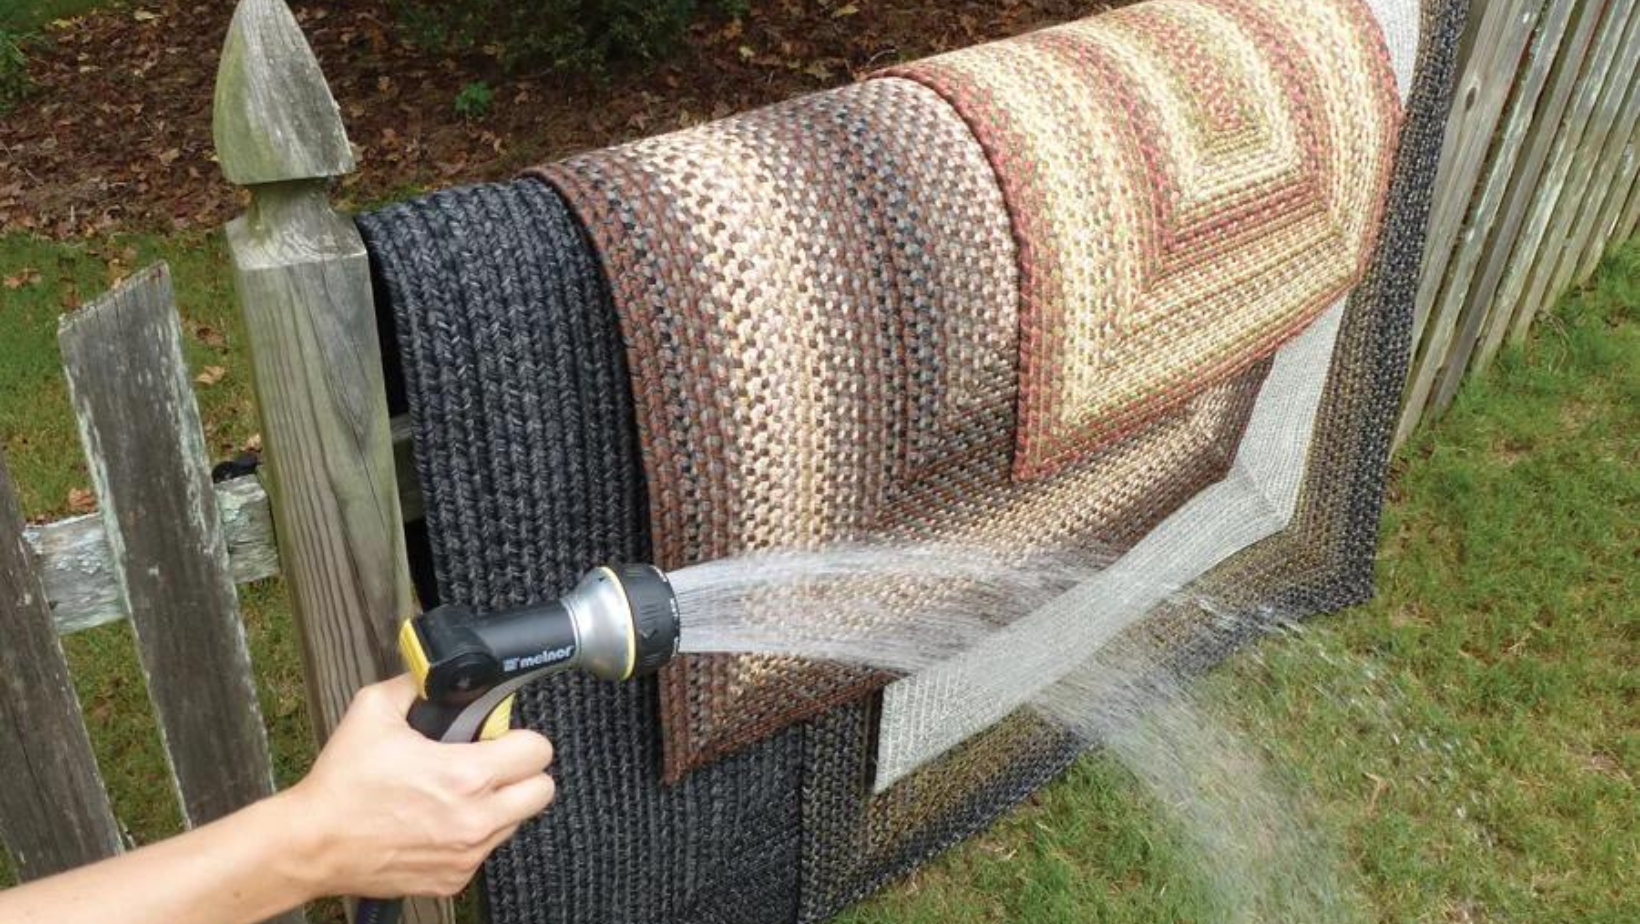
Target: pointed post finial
{"points": [[274, 116]]}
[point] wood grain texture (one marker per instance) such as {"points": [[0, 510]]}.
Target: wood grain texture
{"points": [[77, 567], [304, 285], [145, 447], [274, 116], [1566, 237], [1516, 293], [303, 279], [1631, 213], [1621, 167], [1603, 173], [54, 813], [1478, 103], [1561, 71], [1442, 298], [78, 573]]}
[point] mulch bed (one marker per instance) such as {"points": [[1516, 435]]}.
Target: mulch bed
{"points": [[117, 133]]}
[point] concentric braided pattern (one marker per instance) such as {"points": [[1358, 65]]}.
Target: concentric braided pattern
{"points": [[820, 300], [1191, 182], [1322, 561], [510, 320]]}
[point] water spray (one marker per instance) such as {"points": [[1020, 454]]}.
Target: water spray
{"points": [[619, 622]]}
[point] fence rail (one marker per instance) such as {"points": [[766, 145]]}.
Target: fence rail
{"points": [[1539, 174]]}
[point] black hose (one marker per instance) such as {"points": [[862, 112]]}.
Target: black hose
{"points": [[378, 911]]}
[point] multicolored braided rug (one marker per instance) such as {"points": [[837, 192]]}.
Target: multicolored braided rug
{"points": [[1138, 287]]}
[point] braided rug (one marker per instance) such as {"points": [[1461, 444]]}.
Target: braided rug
{"points": [[526, 448], [1190, 182], [821, 304], [1322, 561], [822, 340]]}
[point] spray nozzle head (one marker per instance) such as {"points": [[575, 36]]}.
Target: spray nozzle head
{"points": [[626, 618]]}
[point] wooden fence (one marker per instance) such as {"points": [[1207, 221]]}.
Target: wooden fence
{"points": [[1537, 177]]}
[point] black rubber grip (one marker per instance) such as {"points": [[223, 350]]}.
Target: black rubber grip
{"points": [[433, 719]]}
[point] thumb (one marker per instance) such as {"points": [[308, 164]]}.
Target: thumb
{"points": [[398, 694]]}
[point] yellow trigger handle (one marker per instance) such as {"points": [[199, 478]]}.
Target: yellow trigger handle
{"points": [[415, 657], [499, 721]]}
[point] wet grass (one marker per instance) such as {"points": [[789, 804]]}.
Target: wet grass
{"points": [[1469, 737]]}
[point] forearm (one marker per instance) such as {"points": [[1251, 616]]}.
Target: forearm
{"points": [[242, 869]]}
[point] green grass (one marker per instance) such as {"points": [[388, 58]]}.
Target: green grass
{"points": [[1492, 686], [1468, 739], [32, 15], [42, 447]]}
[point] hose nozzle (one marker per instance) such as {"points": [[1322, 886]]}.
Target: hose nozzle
{"points": [[618, 623]]}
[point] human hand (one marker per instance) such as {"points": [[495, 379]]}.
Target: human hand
{"points": [[395, 814]]}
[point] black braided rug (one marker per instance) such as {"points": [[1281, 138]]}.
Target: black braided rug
{"points": [[525, 444]]}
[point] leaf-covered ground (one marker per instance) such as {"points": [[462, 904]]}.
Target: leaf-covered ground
{"points": [[116, 135]]}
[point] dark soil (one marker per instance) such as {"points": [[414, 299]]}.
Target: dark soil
{"points": [[117, 134]]}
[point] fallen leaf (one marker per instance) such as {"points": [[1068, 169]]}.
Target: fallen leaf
{"points": [[81, 501], [29, 276], [211, 375], [210, 336], [253, 444], [845, 10], [144, 16]]}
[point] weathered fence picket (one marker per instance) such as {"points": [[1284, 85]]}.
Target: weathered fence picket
{"points": [[1521, 183], [140, 426], [1620, 165], [1611, 62], [1478, 102], [1631, 213], [54, 813], [1594, 167]]}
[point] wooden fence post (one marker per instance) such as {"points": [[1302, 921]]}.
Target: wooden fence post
{"points": [[54, 812], [303, 278], [304, 285]]}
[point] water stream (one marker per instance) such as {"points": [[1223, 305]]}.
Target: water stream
{"points": [[1250, 840]]}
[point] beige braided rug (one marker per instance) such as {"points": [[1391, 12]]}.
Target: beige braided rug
{"points": [[821, 306]]}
